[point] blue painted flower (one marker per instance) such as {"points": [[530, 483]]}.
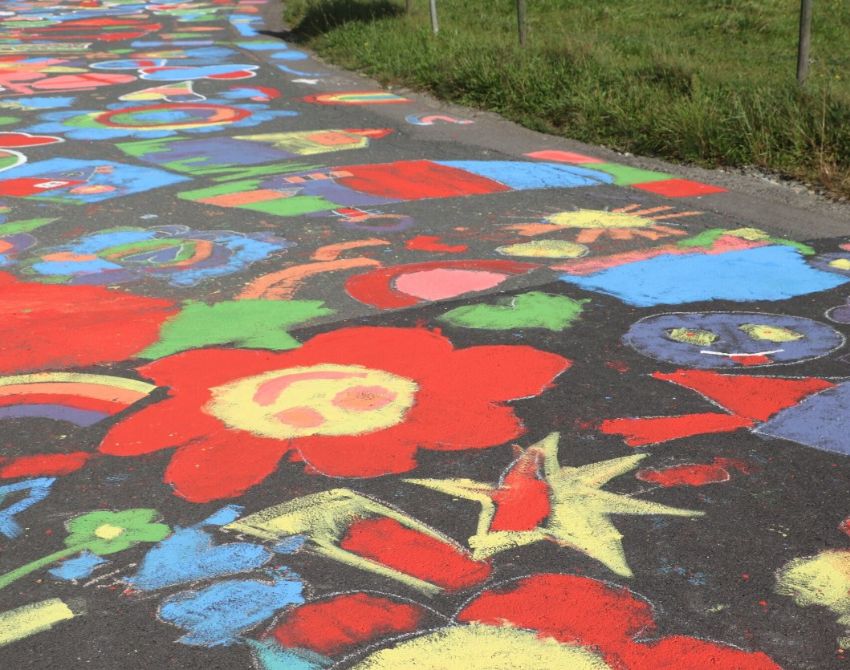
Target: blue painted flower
{"points": [[178, 254], [151, 121], [219, 614]]}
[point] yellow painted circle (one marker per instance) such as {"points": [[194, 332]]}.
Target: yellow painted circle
{"points": [[314, 400], [482, 647]]}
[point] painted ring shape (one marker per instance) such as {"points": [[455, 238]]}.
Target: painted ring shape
{"points": [[210, 115]]}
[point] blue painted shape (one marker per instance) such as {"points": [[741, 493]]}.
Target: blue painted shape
{"points": [[38, 490], [763, 273], [189, 555], [79, 567], [290, 55], [290, 545], [196, 72], [263, 45], [44, 102], [227, 514], [524, 176], [91, 181], [219, 614], [270, 656], [821, 421]]}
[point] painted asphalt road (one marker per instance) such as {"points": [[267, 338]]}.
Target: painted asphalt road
{"points": [[300, 373]]}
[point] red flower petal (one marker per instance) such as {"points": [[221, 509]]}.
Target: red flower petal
{"points": [[170, 423], [580, 610], [454, 424], [504, 372], [408, 352], [206, 368], [341, 623], [383, 453], [222, 466], [568, 608], [679, 651]]}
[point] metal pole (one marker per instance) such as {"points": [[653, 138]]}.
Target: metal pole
{"points": [[520, 18], [805, 41], [435, 25]]}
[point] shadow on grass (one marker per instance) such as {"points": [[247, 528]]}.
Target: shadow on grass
{"points": [[324, 15]]}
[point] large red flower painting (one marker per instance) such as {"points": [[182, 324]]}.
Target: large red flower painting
{"points": [[356, 402], [44, 326]]}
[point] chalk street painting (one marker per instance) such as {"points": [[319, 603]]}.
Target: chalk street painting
{"points": [[286, 384]]}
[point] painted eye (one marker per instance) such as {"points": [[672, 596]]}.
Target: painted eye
{"points": [[697, 336], [770, 333]]}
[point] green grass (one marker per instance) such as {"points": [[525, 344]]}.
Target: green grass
{"points": [[710, 82]]}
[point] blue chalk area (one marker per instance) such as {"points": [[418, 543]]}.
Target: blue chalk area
{"points": [[224, 516], [821, 421], [47, 102], [38, 490], [290, 545], [764, 273], [526, 176], [219, 614], [189, 555], [126, 179], [263, 45], [270, 656], [78, 568], [290, 55]]}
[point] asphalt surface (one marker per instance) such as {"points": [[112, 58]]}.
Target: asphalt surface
{"points": [[301, 373]]}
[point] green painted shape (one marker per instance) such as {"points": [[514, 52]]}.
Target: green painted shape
{"points": [[15, 227], [707, 238], [626, 176], [253, 324], [528, 310], [294, 206], [704, 239], [6, 120]]}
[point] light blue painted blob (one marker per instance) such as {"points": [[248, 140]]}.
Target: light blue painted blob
{"points": [[79, 567], [263, 45], [290, 545], [219, 614], [764, 273], [38, 490], [523, 176], [227, 514], [44, 102], [290, 55], [821, 421], [270, 656], [189, 555]]}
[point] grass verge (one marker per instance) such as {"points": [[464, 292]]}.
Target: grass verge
{"points": [[710, 82]]}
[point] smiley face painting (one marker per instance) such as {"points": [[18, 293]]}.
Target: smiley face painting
{"points": [[709, 340]]}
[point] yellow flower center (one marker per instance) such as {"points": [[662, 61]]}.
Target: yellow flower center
{"points": [[482, 647], [108, 532], [315, 400]]}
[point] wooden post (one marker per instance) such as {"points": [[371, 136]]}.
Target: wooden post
{"points": [[408, 5], [520, 19], [435, 25], [805, 41]]}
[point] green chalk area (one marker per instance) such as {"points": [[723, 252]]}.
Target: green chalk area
{"points": [[711, 82]]}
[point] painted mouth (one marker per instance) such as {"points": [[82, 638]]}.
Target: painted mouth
{"points": [[753, 358]]}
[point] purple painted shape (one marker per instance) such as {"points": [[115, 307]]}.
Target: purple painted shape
{"points": [[821, 421], [80, 417]]}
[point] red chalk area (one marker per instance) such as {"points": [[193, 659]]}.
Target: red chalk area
{"points": [[413, 553]]}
